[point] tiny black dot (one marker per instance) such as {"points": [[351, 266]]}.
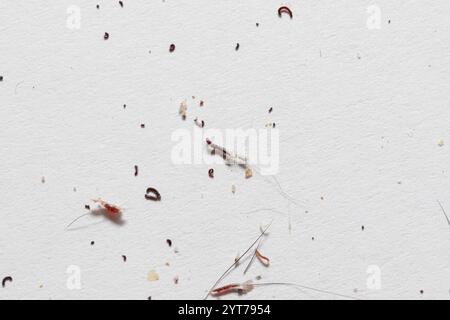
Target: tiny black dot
{"points": [[172, 48], [92, 243]]}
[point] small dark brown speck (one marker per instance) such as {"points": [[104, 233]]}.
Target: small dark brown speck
{"points": [[169, 242], [106, 36], [87, 207], [136, 171], [172, 48], [1, 78], [270, 110], [98, 6], [362, 228], [142, 125], [211, 173], [202, 103], [124, 257], [257, 24], [237, 47], [421, 291], [92, 243], [121, 3]]}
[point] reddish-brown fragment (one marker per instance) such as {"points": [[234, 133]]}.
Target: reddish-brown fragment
{"points": [[286, 10], [112, 211], [225, 289], [202, 103]]}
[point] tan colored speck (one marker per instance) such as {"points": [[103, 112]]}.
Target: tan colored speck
{"points": [[248, 173], [152, 276]]}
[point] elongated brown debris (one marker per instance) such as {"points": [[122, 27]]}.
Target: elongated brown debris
{"points": [[240, 288], [211, 173], [6, 279], [249, 285], [152, 194], [136, 171], [264, 260], [229, 157]]}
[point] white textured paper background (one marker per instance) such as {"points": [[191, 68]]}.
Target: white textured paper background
{"points": [[360, 113]]}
